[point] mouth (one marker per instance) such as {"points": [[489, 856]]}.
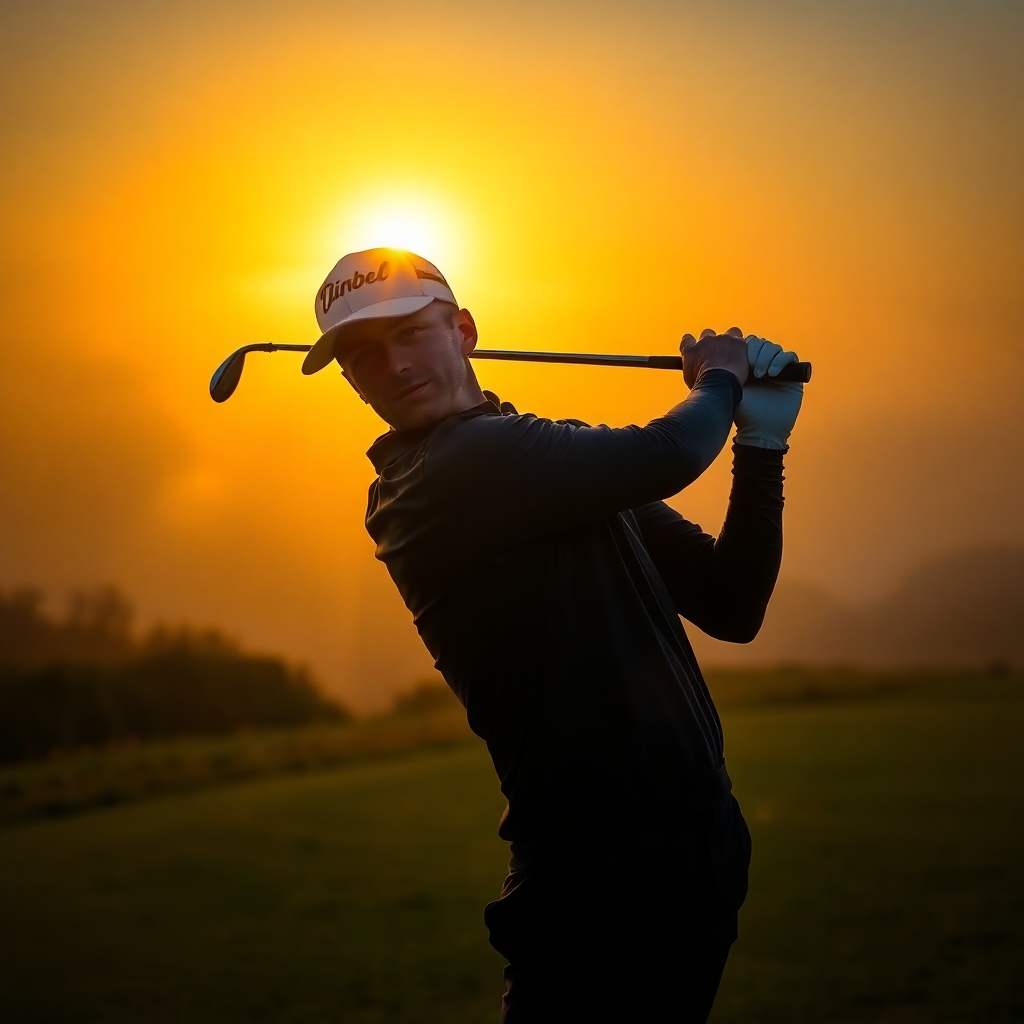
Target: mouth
{"points": [[412, 389]]}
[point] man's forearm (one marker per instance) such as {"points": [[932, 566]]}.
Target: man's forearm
{"points": [[520, 475], [723, 585], [748, 551]]}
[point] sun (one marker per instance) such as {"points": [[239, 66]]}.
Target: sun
{"points": [[404, 230], [421, 226]]}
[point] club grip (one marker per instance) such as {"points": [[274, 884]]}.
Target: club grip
{"points": [[797, 372]]}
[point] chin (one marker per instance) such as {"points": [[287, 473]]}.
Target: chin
{"points": [[415, 419]]}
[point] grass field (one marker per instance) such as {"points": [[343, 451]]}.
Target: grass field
{"points": [[886, 886], [87, 779]]}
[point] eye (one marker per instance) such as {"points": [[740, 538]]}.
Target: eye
{"points": [[357, 356]]}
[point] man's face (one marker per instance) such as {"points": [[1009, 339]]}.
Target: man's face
{"points": [[412, 370]]}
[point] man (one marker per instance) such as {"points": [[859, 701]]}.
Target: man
{"points": [[546, 577]]}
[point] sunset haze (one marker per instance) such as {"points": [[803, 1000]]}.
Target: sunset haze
{"points": [[844, 179]]}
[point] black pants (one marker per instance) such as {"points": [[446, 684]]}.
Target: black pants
{"points": [[633, 929]]}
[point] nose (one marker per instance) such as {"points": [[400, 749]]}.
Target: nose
{"points": [[396, 358]]}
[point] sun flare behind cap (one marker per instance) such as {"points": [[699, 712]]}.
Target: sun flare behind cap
{"points": [[371, 284]]}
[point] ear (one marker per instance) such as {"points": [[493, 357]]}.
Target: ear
{"points": [[466, 326], [366, 401]]}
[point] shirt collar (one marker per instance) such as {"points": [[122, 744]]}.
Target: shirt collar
{"points": [[396, 443]]}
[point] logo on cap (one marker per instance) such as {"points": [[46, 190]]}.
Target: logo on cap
{"points": [[335, 289]]}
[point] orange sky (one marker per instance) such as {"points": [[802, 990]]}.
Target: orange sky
{"points": [[178, 178]]}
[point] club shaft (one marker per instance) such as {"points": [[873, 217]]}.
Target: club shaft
{"points": [[791, 372], [269, 346]]}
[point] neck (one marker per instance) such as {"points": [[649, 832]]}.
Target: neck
{"points": [[469, 396]]}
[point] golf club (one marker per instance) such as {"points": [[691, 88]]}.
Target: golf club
{"points": [[226, 377]]}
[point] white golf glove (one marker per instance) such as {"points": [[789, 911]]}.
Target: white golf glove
{"points": [[765, 416]]}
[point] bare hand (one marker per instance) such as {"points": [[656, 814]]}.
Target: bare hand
{"points": [[714, 352]]}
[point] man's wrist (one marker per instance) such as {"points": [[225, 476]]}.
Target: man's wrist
{"points": [[752, 441], [716, 375], [750, 463]]}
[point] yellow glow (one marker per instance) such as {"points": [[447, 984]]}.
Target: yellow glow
{"points": [[579, 190], [419, 224]]}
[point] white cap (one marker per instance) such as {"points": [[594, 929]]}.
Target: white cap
{"points": [[368, 285]]}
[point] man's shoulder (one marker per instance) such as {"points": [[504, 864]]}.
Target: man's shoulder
{"points": [[470, 442], [464, 427], [482, 442]]}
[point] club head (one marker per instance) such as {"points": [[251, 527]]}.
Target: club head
{"points": [[226, 377]]}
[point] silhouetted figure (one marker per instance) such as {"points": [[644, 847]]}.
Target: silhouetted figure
{"points": [[546, 577]]}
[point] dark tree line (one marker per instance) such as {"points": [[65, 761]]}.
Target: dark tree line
{"points": [[96, 627], [87, 680]]}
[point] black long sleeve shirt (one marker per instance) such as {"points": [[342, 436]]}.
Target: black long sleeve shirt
{"points": [[546, 577]]}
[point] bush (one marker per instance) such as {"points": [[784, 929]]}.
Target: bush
{"points": [[167, 690], [426, 698]]}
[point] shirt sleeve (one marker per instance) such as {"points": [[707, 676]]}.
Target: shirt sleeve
{"points": [[517, 477], [723, 586]]}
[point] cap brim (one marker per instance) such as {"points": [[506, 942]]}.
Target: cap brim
{"points": [[323, 351]]}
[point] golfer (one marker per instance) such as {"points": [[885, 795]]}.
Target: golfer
{"points": [[547, 578]]}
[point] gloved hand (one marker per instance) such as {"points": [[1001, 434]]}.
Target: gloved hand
{"points": [[766, 415]]}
